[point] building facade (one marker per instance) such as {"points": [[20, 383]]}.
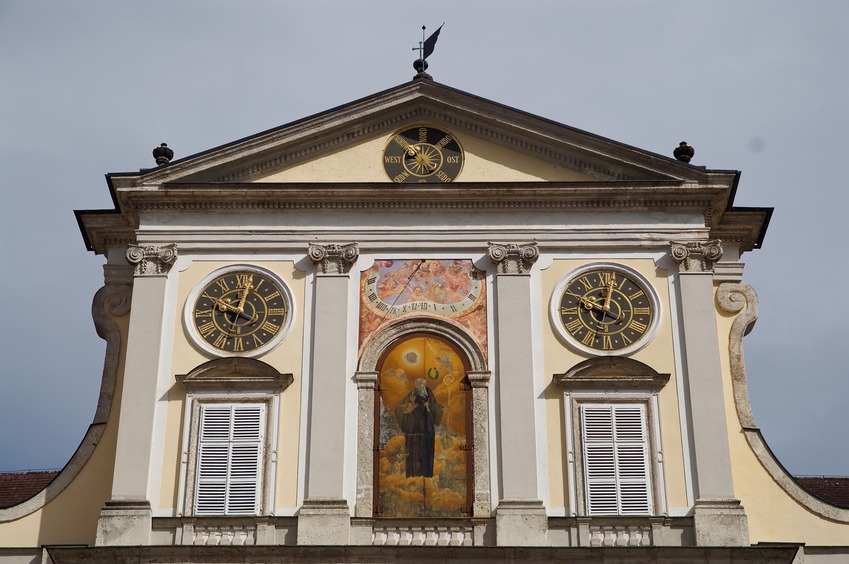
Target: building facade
{"points": [[423, 324]]}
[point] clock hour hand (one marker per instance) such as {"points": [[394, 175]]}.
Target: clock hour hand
{"points": [[609, 294]]}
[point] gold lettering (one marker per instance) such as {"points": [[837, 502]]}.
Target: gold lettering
{"points": [[569, 311], [604, 278], [642, 311], [573, 326], [443, 177], [586, 282], [637, 326], [272, 295], [444, 141], [606, 342], [207, 329], [220, 341], [277, 311], [261, 280], [625, 339], [401, 177], [452, 159], [401, 141], [270, 328], [257, 341], [636, 295], [237, 345], [223, 285], [244, 280], [392, 159], [422, 135], [588, 338], [203, 313]]}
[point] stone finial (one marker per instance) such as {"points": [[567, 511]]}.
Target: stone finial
{"points": [[334, 259], [151, 259], [696, 256], [163, 154], [684, 152], [513, 258]]}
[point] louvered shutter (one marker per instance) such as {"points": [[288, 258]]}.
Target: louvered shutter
{"points": [[616, 459], [229, 459]]}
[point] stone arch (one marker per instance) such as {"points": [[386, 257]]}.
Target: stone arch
{"points": [[384, 340], [366, 378]]}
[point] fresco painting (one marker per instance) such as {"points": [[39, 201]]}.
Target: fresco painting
{"points": [[451, 289], [423, 461]]}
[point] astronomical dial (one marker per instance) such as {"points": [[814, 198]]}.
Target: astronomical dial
{"points": [[422, 154]]}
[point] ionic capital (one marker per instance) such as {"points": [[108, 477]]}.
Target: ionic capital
{"points": [[696, 256], [513, 258], [151, 259], [333, 258]]}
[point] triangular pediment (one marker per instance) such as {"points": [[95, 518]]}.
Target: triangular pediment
{"points": [[344, 144]]}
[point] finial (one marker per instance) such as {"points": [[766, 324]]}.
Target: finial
{"points": [[163, 154], [684, 152], [425, 48]]}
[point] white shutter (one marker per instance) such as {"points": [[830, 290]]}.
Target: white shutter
{"points": [[229, 459], [616, 459]]}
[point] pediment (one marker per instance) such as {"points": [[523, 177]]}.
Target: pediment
{"points": [[344, 144]]}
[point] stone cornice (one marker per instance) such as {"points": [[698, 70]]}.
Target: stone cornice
{"points": [[313, 136]]}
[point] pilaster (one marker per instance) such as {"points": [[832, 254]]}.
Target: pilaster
{"points": [[719, 518], [126, 518], [520, 517], [324, 517], [366, 383]]}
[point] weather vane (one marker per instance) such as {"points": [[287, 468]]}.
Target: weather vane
{"points": [[425, 48]]}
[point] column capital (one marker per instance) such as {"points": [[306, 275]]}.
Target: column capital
{"points": [[513, 258], [334, 258], [478, 379], [696, 256], [365, 380], [151, 259]]}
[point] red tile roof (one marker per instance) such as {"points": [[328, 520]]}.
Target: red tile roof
{"points": [[832, 490], [16, 487]]}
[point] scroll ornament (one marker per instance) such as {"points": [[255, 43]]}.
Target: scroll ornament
{"points": [[333, 258], [151, 259], [513, 258]]}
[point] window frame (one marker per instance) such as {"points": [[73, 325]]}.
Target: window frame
{"points": [[612, 381], [231, 381]]}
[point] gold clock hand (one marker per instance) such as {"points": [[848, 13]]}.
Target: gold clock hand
{"points": [[243, 298], [609, 294]]}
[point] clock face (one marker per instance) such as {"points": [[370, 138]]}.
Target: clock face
{"points": [[422, 154], [239, 310], [605, 308]]}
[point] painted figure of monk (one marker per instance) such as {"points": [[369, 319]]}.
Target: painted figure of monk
{"points": [[417, 415]]}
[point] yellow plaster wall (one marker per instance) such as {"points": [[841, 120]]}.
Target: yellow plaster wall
{"points": [[773, 515], [485, 162], [71, 517], [286, 358], [659, 354]]}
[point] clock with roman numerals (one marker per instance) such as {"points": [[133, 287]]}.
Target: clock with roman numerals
{"points": [[240, 310], [605, 308]]}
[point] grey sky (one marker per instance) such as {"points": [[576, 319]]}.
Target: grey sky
{"points": [[92, 87]]}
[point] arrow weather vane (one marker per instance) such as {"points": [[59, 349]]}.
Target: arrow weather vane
{"points": [[425, 48]]}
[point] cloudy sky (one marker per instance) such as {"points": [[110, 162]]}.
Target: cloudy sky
{"points": [[92, 87]]}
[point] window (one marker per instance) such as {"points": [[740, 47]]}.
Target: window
{"points": [[230, 454], [612, 434], [615, 453], [230, 437]]}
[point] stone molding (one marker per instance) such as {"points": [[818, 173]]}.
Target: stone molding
{"points": [[741, 299], [333, 258], [366, 378], [109, 302], [151, 259], [235, 374], [513, 258], [696, 256], [612, 373]]}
